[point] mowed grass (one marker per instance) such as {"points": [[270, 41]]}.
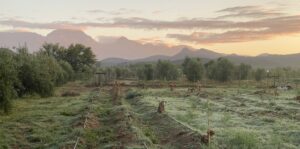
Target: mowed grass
{"points": [[44, 122], [241, 120]]}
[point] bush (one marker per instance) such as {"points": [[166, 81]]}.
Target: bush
{"points": [[37, 74], [8, 79]]}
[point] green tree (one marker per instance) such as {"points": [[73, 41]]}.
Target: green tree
{"points": [[165, 70], [37, 73], [224, 70], [259, 74], [185, 64], [8, 78], [149, 72], [211, 70], [220, 70], [243, 71], [79, 56], [193, 69], [55, 50]]}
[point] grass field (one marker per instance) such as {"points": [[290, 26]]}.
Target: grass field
{"points": [[240, 120]]}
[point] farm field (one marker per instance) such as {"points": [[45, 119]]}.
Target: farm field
{"points": [[240, 120], [94, 120]]}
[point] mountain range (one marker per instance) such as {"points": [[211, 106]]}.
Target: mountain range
{"points": [[121, 47], [125, 51], [262, 61]]}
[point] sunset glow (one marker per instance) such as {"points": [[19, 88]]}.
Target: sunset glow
{"points": [[248, 27]]}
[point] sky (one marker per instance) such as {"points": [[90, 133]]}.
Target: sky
{"points": [[245, 27]]}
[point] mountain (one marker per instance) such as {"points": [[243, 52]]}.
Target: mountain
{"points": [[16, 39], [262, 61], [121, 47], [66, 37], [177, 58], [113, 61], [129, 49], [201, 53], [268, 60]]}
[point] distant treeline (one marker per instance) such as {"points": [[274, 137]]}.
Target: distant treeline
{"points": [[23, 73], [193, 69]]}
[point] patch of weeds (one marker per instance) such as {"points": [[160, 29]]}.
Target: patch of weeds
{"points": [[69, 112], [275, 142], [242, 140], [132, 94], [226, 118], [149, 133], [91, 138], [106, 135], [268, 119]]}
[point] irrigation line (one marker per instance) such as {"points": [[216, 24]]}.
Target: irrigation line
{"points": [[85, 122]]}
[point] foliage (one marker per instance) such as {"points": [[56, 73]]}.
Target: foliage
{"points": [[220, 70], [165, 70], [211, 70], [145, 72], [243, 71], [24, 73], [259, 74], [193, 69], [132, 94], [8, 78], [37, 73], [77, 55]]}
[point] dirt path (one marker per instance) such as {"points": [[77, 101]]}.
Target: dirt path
{"points": [[133, 124], [161, 129]]}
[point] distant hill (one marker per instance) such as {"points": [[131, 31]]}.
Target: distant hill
{"points": [[268, 60], [262, 61], [125, 51], [201, 53], [177, 58], [129, 49]]}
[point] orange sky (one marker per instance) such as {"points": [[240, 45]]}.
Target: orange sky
{"points": [[248, 27]]}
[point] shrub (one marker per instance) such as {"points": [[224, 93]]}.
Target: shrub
{"points": [[37, 74], [8, 78]]}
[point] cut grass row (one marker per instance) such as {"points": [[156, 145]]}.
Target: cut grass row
{"points": [[239, 119]]}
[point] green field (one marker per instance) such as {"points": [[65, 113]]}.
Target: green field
{"points": [[240, 120]]}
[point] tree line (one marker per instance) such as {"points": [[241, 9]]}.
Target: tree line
{"points": [[193, 69], [23, 73]]}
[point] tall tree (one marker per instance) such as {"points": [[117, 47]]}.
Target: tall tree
{"points": [[165, 70], [149, 72], [243, 71], [193, 69], [259, 74], [224, 70]]}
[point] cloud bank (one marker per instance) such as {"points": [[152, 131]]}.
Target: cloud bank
{"points": [[262, 24]]}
